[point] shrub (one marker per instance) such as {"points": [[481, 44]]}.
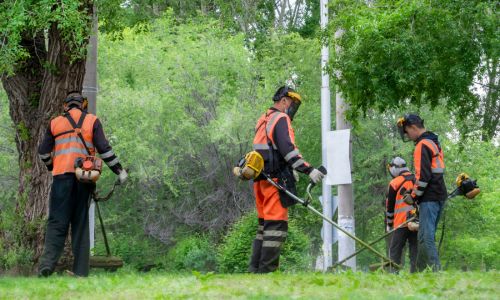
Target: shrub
{"points": [[192, 253], [137, 251], [234, 253]]}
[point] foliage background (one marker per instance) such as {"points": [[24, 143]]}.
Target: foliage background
{"points": [[179, 94]]}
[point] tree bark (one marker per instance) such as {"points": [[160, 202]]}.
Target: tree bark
{"points": [[35, 94]]}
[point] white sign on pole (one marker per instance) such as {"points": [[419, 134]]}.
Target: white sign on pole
{"points": [[339, 166]]}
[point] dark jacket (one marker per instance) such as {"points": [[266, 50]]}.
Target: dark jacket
{"points": [[430, 183]]}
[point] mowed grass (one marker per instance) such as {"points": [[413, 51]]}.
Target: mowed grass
{"points": [[157, 285]]}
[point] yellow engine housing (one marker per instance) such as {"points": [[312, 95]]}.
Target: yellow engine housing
{"points": [[250, 167]]}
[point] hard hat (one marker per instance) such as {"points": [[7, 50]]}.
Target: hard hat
{"points": [[407, 120], [75, 98], [396, 166], [286, 91], [249, 166]]}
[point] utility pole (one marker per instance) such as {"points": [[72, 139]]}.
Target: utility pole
{"points": [[90, 91], [325, 128], [346, 246]]}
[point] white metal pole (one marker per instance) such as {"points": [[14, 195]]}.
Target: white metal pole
{"points": [[346, 245], [90, 91], [325, 128]]}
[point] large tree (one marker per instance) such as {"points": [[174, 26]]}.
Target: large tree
{"points": [[42, 57]]}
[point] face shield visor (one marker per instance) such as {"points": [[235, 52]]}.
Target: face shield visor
{"points": [[401, 129], [294, 106]]}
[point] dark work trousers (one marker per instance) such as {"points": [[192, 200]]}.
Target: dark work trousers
{"points": [[398, 242], [267, 246], [69, 205]]}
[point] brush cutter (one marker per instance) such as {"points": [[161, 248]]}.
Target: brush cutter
{"points": [[251, 167], [372, 243], [307, 202], [466, 187]]}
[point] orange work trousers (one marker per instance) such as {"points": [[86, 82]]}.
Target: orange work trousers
{"points": [[267, 200]]}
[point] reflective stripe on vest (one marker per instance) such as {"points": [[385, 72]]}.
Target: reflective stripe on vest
{"points": [[264, 131], [68, 147], [72, 139], [401, 209], [437, 164], [264, 136]]}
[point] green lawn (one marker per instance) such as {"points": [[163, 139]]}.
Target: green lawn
{"points": [[156, 285]]}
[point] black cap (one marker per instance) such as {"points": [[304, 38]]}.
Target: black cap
{"points": [[282, 92], [411, 119]]}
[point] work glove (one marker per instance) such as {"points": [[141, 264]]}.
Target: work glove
{"points": [[296, 175], [316, 176], [408, 199], [122, 176], [413, 226]]}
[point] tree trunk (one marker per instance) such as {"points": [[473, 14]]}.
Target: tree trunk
{"points": [[35, 93], [491, 115]]}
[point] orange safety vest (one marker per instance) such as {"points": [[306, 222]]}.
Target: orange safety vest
{"points": [[401, 184], [68, 145], [263, 141], [437, 164]]}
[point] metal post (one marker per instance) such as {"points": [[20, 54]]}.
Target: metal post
{"points": [[325, 128], [347, 246], [90, 91]]}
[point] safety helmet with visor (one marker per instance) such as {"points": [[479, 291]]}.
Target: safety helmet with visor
{"points": [[407, 120], [286, 91], [397, 166]]}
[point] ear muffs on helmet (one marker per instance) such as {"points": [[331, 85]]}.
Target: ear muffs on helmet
{"points": [[250, 166]]}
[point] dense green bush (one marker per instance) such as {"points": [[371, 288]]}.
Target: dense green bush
{"points": [[13, 256], [471, 236], [15, 259], [234, 253], [138, 252], [195, 252]]}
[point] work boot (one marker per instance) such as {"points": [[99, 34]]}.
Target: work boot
{"points": [[256, 248], [275, 233]]}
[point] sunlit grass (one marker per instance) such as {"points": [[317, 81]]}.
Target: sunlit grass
{"points": [[157, 285]]}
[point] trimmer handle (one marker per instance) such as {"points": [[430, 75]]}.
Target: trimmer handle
{"points": [[311, 183], [322, 170]]}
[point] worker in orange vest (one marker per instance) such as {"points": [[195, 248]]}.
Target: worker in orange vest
{"points": [[429, 191], [275, 141], [69, 201], [398, 212]]}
